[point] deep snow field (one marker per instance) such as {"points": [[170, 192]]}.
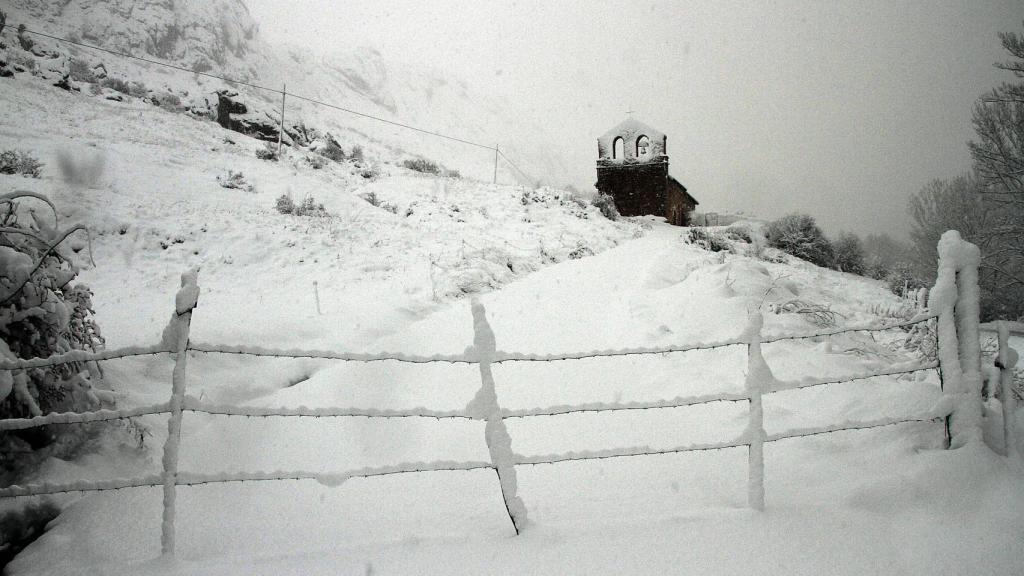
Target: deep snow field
{"points": [[554, 276]]}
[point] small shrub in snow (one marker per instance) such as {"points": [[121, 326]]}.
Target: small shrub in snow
{"points": [[332, 151], [18, 162], [308, 206], [451, 173], [817, 314], [422, 165], [357, 153], [739, 232], [268, 152], [116, 84], [24, 41], [138, 89], [369, 172], [285, 204], [373, 199], [580, 251], [81, 72], [316, 162], [169, 101], [708, 240], [235, 181], [606, 204]]}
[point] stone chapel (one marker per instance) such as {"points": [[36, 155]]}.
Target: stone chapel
{"points": [[632, 167]]}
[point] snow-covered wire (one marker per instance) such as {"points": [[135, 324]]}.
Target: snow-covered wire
{"points": [[330, 478], [79, 417], [903, 368], [47, 488], [852, 425], [245, 350], [575, 455], [193, 404], [84, 356], [866, 327], [677, 402]]}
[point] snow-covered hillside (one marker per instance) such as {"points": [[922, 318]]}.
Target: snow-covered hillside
{"points": [[389, 268], [221, 38]]}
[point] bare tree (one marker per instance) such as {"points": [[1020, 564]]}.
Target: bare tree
{"points": [[999, 160]]}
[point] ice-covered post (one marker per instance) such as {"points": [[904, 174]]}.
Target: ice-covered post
{"points": [[176, 337], [956, 299], [1006, 361], [759, 378], [485, 406]]}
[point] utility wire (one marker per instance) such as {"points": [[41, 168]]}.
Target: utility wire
{"points": [[511, 163], [258, 87]]}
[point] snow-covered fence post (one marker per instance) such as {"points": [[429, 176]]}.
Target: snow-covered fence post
{"points": [[485, 405], [955, 298], [1006, 361], [176, 335], [759, 378]]}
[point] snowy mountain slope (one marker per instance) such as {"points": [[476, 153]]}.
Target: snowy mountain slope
{"points": [[221, 38]]}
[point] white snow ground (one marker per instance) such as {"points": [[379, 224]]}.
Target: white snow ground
{"points": [[884, 501]]}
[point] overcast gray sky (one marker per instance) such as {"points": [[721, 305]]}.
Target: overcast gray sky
{"points": [[839, 109]]}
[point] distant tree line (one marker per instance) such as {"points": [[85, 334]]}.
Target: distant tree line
{"points": [[986, 206]]}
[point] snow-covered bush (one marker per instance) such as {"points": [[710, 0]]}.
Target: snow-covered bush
{"points": [[606, 204], [799, 235], [373, 199], [422, 165], [235, 181], [284, 204], [708, 240], [26, 43], [41, 314], [316, 162], [357, 153], [81, 72], [308, 207], [740, 232], [268, 152], [902, 279], [116, 84], [19, 162], [332, 151]]}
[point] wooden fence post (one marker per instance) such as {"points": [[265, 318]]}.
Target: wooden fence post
{"points": [[759, 376], [1006, 361], [176, 334], [485, 405]]}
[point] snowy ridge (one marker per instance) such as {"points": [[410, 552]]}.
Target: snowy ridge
{"points": [[677, 402], [78, 417], [330, 479], [84, 356], [193, 404], [899, 368], [45, 488], [623, 452]]}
